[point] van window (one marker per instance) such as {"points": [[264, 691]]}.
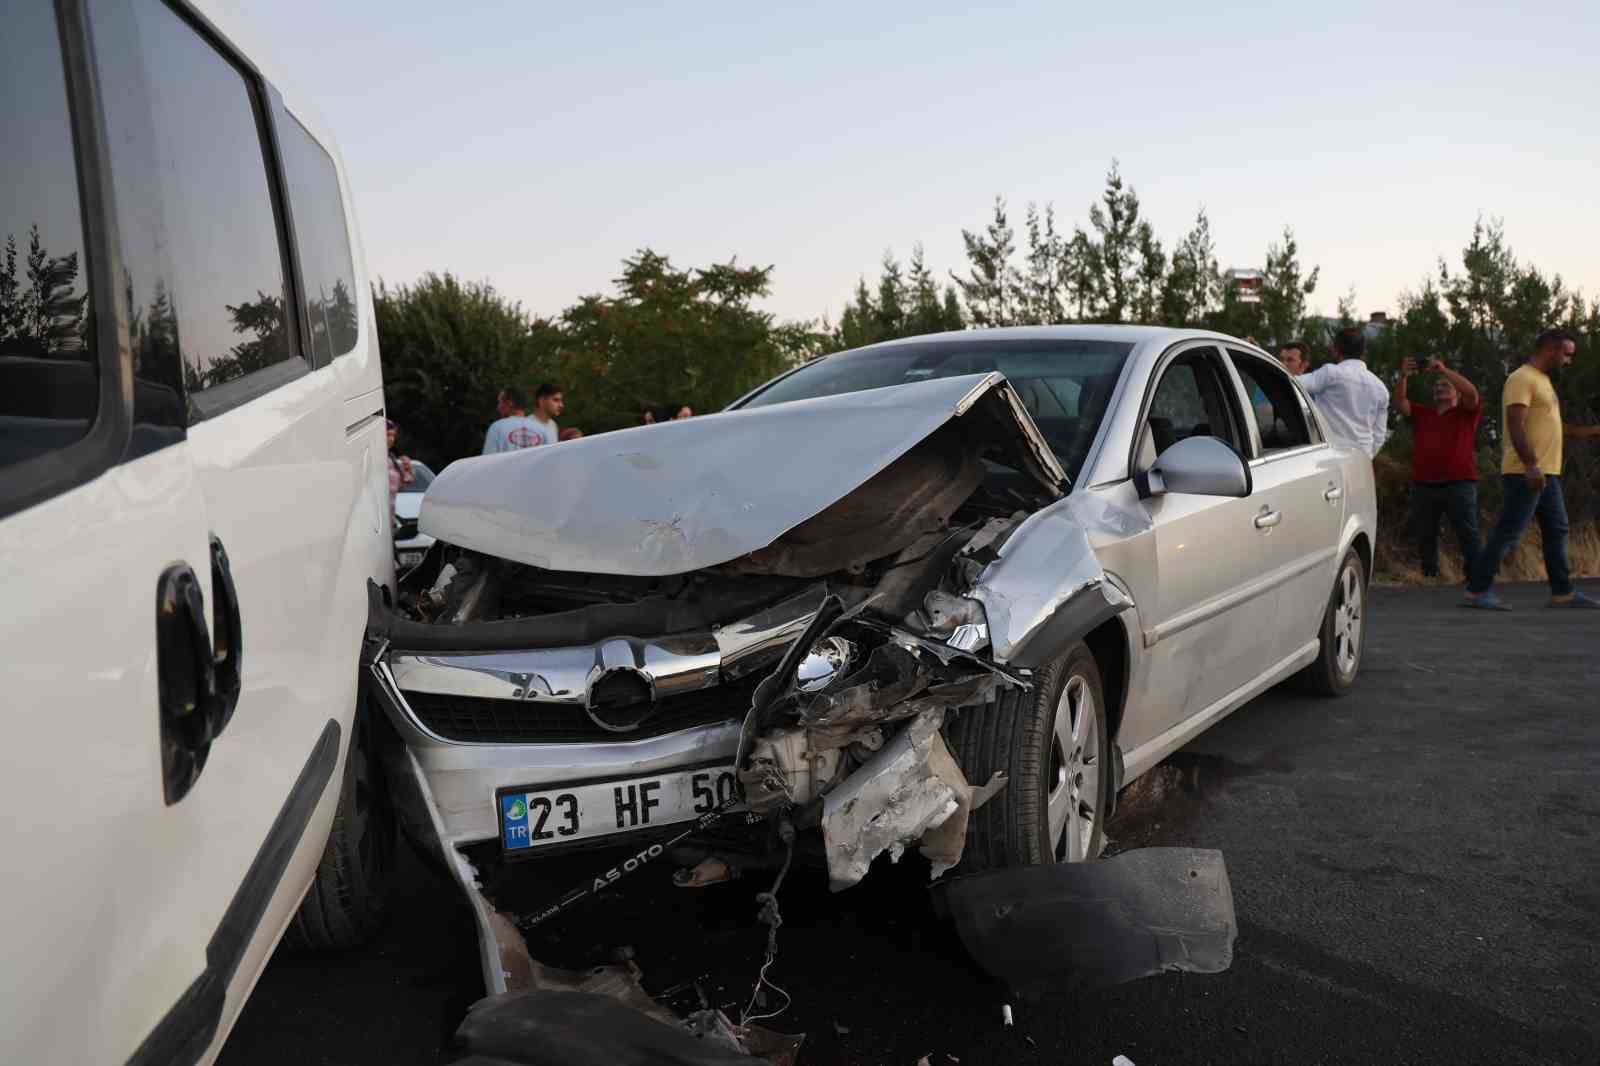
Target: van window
{"points": [[322, 241], [49, 379], [224, 299]]}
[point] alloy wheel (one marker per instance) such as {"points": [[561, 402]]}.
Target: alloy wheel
{"points": [[1073, 774]]}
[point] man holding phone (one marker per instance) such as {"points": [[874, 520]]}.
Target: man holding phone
{"points": [[1444, 462]]}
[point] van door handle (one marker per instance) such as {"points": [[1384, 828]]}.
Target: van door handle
{"points": [[1268, 518], [186, 681], [1334, 493], [227, 636]]}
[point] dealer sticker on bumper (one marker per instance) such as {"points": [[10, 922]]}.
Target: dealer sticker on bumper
{"points": [[532, 818]]}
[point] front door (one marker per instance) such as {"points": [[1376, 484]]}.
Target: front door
{"points": [[1210, 622]]}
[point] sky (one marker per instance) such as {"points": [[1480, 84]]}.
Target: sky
{"points": [[536, 144]]}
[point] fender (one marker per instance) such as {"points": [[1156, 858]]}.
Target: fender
{"points": [[1046, 590]]}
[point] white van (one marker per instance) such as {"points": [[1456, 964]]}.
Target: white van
{"points": [[193, 497]]}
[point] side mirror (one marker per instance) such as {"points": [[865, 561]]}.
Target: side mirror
{"points": [[1197, 466]]}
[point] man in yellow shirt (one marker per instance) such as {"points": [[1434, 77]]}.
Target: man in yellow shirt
{"points": [[1531, 471]]}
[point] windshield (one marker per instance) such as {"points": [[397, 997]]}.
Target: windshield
{"points": [[1065, 384]]}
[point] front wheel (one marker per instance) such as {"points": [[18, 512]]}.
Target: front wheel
{"points": [[1051, 744], [1343, 626]]}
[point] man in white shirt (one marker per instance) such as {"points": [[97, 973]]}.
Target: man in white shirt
{"points": [[515, 428], [1353, 401]]}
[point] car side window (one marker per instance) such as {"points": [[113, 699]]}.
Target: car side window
{"points": [[202, 249], [1189, 401], [1274, 403], [322, 241], [49, 374]]}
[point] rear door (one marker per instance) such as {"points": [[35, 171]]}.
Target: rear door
{"points": [[1299, 489], [1210, 618]]}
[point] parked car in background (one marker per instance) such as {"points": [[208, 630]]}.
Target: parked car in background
{"points": [[192, 502], [956, 589], [409, 543]]}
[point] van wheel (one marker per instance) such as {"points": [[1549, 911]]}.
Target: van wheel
{"points": [[1344, 623], [1051, 744], [348, 899]]}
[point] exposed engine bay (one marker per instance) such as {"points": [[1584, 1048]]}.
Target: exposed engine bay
{"points": [[840, 707]]}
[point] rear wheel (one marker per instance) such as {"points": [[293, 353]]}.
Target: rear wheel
{"points": [[1343, 627], [348, 899], [1051, 744]]}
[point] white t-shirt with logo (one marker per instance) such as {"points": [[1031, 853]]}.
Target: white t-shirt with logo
{"points": [[518, 431]]}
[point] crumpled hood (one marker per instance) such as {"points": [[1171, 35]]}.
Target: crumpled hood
{"points": [[683, 495]]}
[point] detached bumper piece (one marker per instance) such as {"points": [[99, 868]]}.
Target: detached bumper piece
{"points": [[1095, 924]]}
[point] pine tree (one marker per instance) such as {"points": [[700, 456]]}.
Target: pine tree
{"points": [[1116, 221], [1284, 290], [1194, 284], [1042, 285], [990, 289]]}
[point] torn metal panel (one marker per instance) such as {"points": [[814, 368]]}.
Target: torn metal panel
{"points": [[1093, 924], [944, 844], [1046, 588], [695, 493], [888, 803]]}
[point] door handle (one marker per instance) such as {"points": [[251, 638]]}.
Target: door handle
{"points": [[186, 680], [227, 636], [198, 674], [1334, 493], [1267, 518]]}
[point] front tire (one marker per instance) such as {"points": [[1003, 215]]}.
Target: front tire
{"points": [[1051, 743], [349, 896], [1343, 629]]}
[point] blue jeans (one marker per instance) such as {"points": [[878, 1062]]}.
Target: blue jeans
{"points": [[1458, 500], [1521, 505]]}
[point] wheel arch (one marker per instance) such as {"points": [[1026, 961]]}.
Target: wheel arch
{"points": [[1363, 546], [1108, 643]]}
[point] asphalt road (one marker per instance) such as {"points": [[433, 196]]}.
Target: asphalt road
{"points": [[1414, 870]]}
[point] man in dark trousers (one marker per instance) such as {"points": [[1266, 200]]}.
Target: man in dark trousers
{"points": [[1531, 472], [1444, 463]]}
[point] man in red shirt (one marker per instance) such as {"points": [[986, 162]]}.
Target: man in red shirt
{"points": [[1444, 461]]}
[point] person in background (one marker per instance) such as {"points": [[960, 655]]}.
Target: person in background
{"points": [[1530, 468], [515, 428], [1353, 401], [685, 411], [400, 472], [1292, 355], [1444, 462]]}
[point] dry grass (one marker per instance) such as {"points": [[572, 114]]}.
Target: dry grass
{"points": [[1398, 562]]}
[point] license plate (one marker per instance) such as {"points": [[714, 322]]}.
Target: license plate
{"points": [[410, 558], [532, 818]]}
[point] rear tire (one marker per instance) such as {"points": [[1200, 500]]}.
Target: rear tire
{"points": [[349, 896], [1343, 629], [1052, 745]]}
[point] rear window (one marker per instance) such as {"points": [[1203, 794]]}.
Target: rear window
{"points": [[1065, 384], [322, 240]]}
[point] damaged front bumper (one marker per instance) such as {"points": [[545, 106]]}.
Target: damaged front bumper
{"points": [[478, 722]]}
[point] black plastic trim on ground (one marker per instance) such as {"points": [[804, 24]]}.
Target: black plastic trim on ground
{"points": [[184, 1034]]}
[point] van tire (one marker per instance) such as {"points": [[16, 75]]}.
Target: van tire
{"points": [[348, 900]]}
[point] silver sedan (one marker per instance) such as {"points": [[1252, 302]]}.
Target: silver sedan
{"points": [[951, 592]]}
